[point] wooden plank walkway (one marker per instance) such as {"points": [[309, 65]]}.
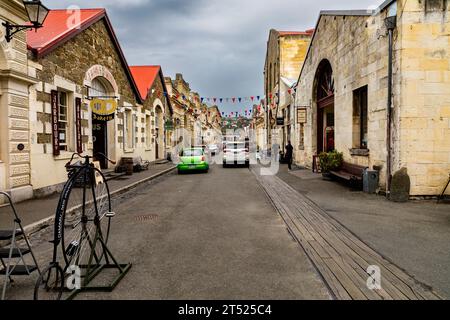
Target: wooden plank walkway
{"points": [[341, 258]]}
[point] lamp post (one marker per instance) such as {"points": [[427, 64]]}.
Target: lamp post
{"points": [[391, 24], [37, 13]]}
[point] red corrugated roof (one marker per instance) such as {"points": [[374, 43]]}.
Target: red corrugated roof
{"points": [[58, 29], [144, 76], [60, 25]]}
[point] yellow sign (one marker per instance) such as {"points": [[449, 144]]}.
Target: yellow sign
{"points": [[103, 107]]}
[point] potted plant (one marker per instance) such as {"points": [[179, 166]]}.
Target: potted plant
{"points": [[330, 161]]}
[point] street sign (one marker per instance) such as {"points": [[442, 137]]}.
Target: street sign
{"points": [[280, 121]]}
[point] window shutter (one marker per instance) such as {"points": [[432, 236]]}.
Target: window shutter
{"points": [[55, 118], [78, 125]]}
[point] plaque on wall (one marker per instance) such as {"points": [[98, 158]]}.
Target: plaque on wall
{"points": [[301, 115]]}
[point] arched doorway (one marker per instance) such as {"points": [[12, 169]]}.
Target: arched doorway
{"points": [[324, 95], [159, 132], [102, 131]]}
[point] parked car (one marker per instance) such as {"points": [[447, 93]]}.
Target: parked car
{"points": [[193, 159], [236, 153]]}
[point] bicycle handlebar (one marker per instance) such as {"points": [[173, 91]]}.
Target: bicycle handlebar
{"points": [[68, 164]]}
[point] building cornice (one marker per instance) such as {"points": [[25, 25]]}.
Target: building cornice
{"points": [[15, 7], [11, 74]]}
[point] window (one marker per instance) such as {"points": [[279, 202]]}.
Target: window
{"points": [[360, 111], [63, 121], [129, 130], [148, 131]]}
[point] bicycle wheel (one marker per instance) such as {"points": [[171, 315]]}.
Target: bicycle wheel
{"points": [[50, 284], [85, 211]]}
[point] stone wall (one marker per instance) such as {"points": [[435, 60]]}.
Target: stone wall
{"points": [[70, 67], [73, 59], [425, 103], [357, 48], [358, 58], [292, 54]]}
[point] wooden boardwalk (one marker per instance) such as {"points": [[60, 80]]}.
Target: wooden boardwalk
{"points": [[341, 258]]}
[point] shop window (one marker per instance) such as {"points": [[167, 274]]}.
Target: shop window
{"points": [[63, 121], [148, 131], [360, 115]]}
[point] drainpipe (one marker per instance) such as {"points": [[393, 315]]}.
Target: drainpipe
{"points": [[391, 23]]}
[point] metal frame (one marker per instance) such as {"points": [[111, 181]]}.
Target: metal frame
{"points": [[9, 266], [441, 197]]}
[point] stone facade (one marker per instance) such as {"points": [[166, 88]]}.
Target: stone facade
{"points": [[88, 61], [356, 47], [285, 54], [15, 81]]}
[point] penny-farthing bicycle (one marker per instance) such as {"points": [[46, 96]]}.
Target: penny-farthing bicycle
{"points": [[82, 225]]}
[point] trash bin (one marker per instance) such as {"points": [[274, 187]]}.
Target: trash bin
{"points": [[370, 181]]}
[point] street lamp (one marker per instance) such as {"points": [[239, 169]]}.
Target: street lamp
{"points": [[37, 13]]}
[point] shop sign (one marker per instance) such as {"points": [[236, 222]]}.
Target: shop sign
{"points": [[78, 125], [55, 119], [103, 110], [301, 115]]}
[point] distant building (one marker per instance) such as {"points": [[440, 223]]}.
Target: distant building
{"points": [[286, 51]]}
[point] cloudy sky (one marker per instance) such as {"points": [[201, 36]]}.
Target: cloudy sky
{"points": [[219, 46]]}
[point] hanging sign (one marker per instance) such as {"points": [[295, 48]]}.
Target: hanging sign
{"points": [[301, 115], [55, 119], [103, 110], [78, 125]]}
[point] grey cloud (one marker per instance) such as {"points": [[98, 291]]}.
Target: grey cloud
{"points": [[218, 45]]}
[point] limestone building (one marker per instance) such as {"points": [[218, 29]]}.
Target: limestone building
{"points": [[342, 94], [15, 82], [86, 99], [286, 51]]}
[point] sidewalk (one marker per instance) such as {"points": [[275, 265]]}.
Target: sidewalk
{"points": [[342, 259], [38, 213], [414, 235]]}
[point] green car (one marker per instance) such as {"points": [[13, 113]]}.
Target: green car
{"points": [[193, 159]]}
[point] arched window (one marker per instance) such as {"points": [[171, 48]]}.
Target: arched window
{"points": [[98, 88]]}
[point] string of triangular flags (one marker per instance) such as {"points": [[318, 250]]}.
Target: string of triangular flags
{"points": [[255, 98], [269, 102]]}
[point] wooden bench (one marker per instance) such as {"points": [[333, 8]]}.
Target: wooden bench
{"points": [[350, 172]]}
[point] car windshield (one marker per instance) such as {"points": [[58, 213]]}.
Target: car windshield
{"points": [[192, 153]]}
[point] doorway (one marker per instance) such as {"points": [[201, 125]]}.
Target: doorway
{"points": [[325, 107], [100, 139], [156, 144]]}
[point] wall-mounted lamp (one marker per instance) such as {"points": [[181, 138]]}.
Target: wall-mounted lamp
{"points": [[37, 13]]}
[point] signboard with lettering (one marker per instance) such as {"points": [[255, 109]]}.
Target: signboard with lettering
{"points": [[103, 110], [301, 115], [280, 121], [55, 119], [78, 125]]}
